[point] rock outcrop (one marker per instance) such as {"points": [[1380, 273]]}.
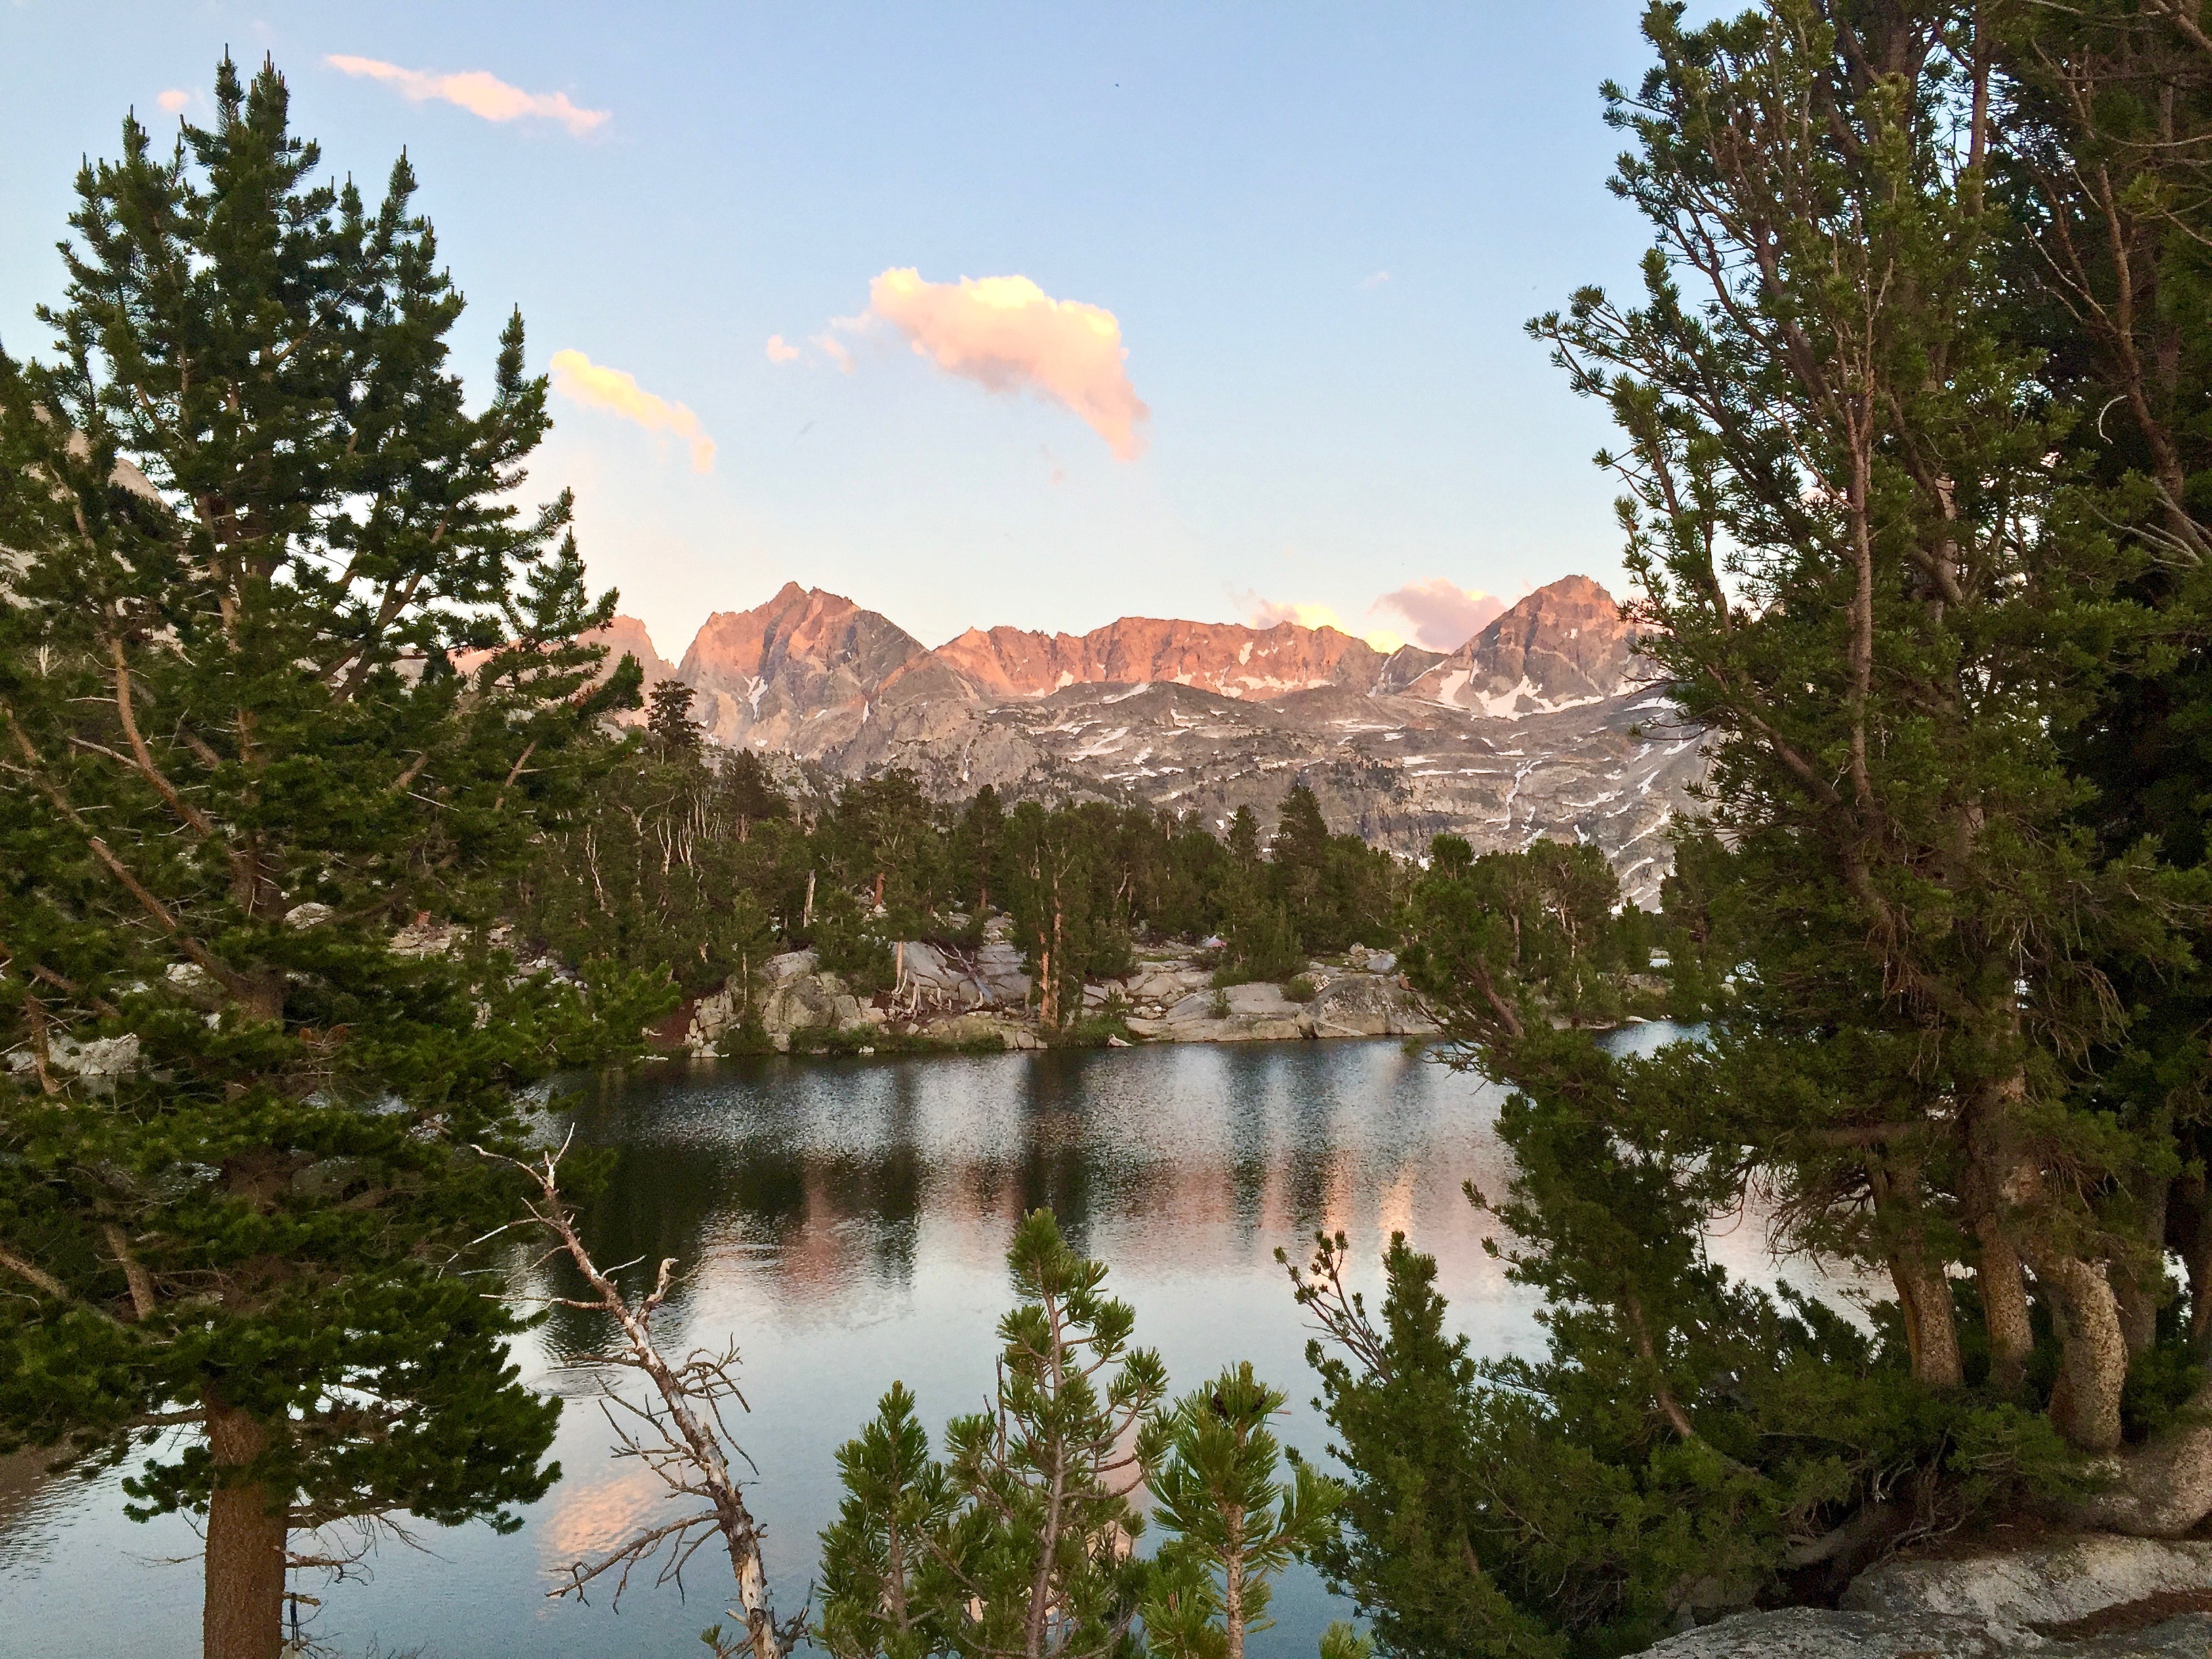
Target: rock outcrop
{"points": [[1364, 1005], [2095, 1596]]}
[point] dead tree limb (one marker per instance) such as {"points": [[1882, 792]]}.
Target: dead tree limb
{"points": [[679, 1434]]}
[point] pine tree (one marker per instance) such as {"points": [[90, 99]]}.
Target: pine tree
{"points": [[881, 1581], [668, 720], [1244, 837], [1217, 1492], [1868, 583], [243, 492], [1017, 1545]]}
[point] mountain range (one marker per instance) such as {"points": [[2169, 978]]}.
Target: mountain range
{"points": [[1546, 722]]}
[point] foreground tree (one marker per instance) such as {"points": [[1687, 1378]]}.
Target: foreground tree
{"points": [[1234, 1526], [245, 493], [680, 1433], [1866, 577], [1019, 1543]]}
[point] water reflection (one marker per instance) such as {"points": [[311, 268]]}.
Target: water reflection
{"points": [[846, 1221]]}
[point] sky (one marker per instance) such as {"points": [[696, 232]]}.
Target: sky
{"points": [[1035, 315]]}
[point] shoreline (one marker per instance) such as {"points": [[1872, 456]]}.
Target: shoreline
{"points": [[945, 1000]]}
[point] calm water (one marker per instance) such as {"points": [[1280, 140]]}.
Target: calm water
{"points": [[849, 1220]]}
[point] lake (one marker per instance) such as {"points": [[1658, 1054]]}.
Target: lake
{"points": [[845, 1222]]}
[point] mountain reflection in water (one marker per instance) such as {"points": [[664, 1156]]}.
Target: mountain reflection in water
{"points": [[845, 1222]]}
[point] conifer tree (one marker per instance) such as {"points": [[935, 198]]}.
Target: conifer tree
{"points": [[1233, 1522], [1869, 584], [1017, 1546], [668, 720], [242, 493], [883, 1589]]}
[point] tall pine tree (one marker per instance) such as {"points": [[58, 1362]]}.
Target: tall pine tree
{"points": [[242, 493]]}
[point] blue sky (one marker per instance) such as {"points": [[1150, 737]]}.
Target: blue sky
{"points": [[1318, 231]]}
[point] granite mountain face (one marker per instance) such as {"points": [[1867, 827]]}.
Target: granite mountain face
{"points": [[1546, 723]]}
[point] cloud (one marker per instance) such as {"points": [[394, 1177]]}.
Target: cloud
{"points": [[477, 92], [175, 100], [596, 386], [778, 352], [838, 354], [1444, 616], [1266, 613], [1375, 281], [1007, 334]]}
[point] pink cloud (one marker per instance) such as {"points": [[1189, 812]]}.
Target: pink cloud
{"points": [[1007, 334], [779, 352], [475, 91], [1442, 615], [175, 100], [597, 386]]}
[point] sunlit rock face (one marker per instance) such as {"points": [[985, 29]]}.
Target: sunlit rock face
{"points": [[1228, 658], [1563, 647], [1544, 725], [797, 673]]}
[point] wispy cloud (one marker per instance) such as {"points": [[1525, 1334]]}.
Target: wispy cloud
{"points": [[597, 386], [1444, 616], [1375, 281], [476, 91], [778, 352], [175, 100], [1007, 334]]}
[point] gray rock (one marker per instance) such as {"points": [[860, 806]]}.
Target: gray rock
{"points": [[1817, 1633], [1265, 1000], [801, 1002], [2047, 1584], [1238, 1028], [1197, 1008], [777, 968], [998, 970], [1365, 1004], [96, 1060], [2018, 1601]]}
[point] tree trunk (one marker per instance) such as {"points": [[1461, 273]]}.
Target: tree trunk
{"points": [[1990, 1157], [1923, 1291], [2004, 1309], [2140, 1287], [2162, 1489], [1932, 1336], [2189, 1233], [2093, 1351], [243, 1617]]}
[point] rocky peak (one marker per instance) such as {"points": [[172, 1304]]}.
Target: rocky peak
{"points": [[1563, 645], [627, 636], [795, 673]]}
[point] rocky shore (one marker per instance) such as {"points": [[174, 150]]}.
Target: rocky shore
{"points": [[956, 998]]}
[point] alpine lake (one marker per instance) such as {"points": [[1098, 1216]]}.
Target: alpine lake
{"points": [[845, 1222]]}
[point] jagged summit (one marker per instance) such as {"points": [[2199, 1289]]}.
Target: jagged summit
{"points": [[1563, 645], [807, 655]]}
